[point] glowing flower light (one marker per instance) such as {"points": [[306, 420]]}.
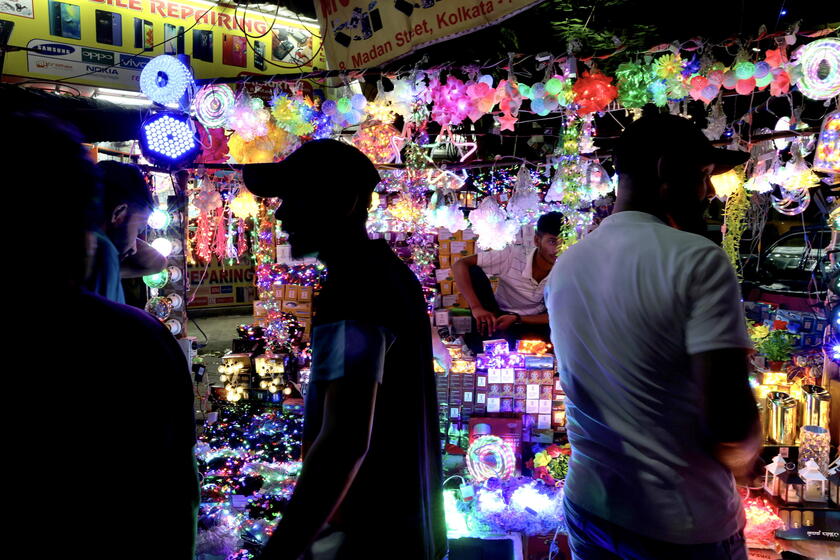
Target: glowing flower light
{"points": [[244, 205], [213, 105], [492, 226], [593, 92], [490, 457], [726, 183]]}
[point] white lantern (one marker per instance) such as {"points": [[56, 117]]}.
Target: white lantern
{"points": [[816, 484], [771, 476]]}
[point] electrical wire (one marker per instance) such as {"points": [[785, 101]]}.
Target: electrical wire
{"points": [[144, 52]]}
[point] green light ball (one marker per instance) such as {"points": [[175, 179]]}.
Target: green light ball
{"points": [[344, 105], [158, 280], [525, 90], [744, 70], [553, 86]]}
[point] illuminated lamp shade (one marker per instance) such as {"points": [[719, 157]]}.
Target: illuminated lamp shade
{"points": [[159, 219], [782, 125], [169, 140], [162, 246], [157, 281], [820, 63], [165, 79], [726, 183], [827, 155]]}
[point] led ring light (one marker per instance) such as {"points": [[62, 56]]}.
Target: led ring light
{"points": [[165, 79], [820, 63]]}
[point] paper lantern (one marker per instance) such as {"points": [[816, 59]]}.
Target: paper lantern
{"points": [[820, 63], [827, 154]]}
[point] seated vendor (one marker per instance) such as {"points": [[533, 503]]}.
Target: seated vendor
{"points": [[517, 309]]}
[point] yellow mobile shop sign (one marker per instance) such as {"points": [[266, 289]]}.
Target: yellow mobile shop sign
{"points": [[108, 42]]}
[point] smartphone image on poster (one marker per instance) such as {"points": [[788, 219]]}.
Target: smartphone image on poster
{"points": [[234, 51], [181, 46], [280, 45], [108, 28], [65, 20], [203, 45], [259, 55], [169, 44], [6, 31], [144, 36]]}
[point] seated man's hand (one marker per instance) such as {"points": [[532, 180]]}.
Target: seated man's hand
{"points": [[485, 320], [504, 322]]}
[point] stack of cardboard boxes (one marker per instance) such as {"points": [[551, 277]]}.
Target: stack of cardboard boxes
{"points": [[290, 298], [806, 328], [504, 384], [451, 247]]}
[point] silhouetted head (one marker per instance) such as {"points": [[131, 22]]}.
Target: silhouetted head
{"points": [[127, 204], [665, 163], [56, 200], [325, 187]]}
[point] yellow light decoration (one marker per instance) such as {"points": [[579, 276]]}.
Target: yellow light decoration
{"points": [[374, 201], [381, 111], [406, 209], [374, 140], [262, 149], [797, 175], [774, 377], [463, 366], [532, 347], [244, 205], [726, 183]]}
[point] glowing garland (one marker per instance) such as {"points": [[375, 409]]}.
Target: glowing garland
{"points": [[300, 275], [213, 105], [490, 457]]}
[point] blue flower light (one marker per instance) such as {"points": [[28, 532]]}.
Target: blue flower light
{"points": [[169, 140]]}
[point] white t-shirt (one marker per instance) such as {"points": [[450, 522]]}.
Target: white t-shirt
{"points": [[518, 292], [628, 305]]}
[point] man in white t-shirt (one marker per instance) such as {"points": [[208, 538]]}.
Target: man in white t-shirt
{"points": [[652, 350], [518, 305]]}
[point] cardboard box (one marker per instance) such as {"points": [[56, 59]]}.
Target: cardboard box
{"points": [[446, 235], [461, 325], [506, 404], [519, 405], [291, 292], [441, 318], [442, 274], [458, 248], [449, 301], [444, 247], [290, 306], [446, 287], [259, 309], [305, 293], [445, 261]]}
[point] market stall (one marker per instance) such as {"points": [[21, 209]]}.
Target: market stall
{"points": [[502, 415]]}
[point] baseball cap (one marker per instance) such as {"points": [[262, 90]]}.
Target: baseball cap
{"points": [[653, 135], [328, 165]]}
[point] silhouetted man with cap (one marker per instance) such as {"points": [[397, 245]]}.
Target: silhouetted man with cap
{"points": [[652, 348], [371, 483]]}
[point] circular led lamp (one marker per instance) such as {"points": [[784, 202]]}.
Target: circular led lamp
{"points": [[820, 62], [165, 79]]}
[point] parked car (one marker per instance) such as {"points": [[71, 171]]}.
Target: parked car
{"points": [[793, 271]]}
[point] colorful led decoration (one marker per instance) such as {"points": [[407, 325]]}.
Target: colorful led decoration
{"points": [[374, 140], [244, 205], [820, 63], [213, 105], [165, 79], [159, 307], [157, 281], [791, 202], [490, 457], [726, 183], [827, 155], [169, 140]]}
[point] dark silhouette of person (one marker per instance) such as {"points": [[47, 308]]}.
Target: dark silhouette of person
{"points": [[652, 349], [119, 444], [371, 482]]}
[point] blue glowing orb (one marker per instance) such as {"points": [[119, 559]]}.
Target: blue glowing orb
{"points": [[169, 140]]}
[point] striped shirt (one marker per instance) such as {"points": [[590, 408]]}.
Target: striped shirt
{"points": [[518, 292]]}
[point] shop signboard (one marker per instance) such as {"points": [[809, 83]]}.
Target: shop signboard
{"points": [[366, 33], [107, 42], [221, 285]]}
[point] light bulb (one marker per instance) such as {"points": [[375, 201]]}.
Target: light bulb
{"points": [[162, 246], [272, 389], [223, 378], [159, 219], [287, 391]]}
